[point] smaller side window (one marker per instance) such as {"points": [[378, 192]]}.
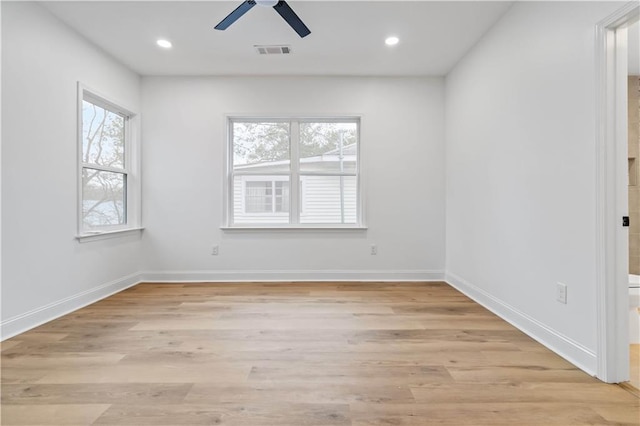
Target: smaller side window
{"points": [[105, 166]]}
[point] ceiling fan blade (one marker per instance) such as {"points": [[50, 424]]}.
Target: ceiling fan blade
{"points": [[292, 19], [235, 15]]}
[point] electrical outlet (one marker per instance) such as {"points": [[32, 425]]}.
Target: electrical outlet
{"points": [[214, 250], [374, 249], [561, 293]]}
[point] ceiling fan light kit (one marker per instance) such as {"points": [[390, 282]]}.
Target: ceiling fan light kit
{"points": [[281, 7]]}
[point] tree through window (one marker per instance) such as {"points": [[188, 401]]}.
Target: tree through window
{"points": [[104, 165]]}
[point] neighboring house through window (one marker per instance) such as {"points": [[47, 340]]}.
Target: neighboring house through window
{"points": [[294, 172]]}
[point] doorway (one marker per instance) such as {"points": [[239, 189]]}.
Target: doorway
{"points": [[618, 178]]}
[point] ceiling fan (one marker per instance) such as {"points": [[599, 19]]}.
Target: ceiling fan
{"points": [[280, 6]]}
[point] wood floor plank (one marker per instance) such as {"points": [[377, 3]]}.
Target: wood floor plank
{"points": [[67, 359], [55, 415], [316, 358], [352, 374], [437, 346], [613, 414], [8, 344], [185, 372], [233, 346], [96, 344], [545, 359], [494, 413], [465, 392], [267, 414], [298, 354], [38, 337], [634, 370], [95, 393], [22, 375], [523, 373], [282, 324], [299, 393], [289, 308], [466, 323]]}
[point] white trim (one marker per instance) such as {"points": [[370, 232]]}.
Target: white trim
{"points": [[100, 99], [105, 168], [104, 235], [295, 196], [298, 227], [362, 218], [303, 199], [35, 317], [303, 118], [1, 186], [290, 276], [228, 199], [564, 346], [252, 173], [611, 201]]}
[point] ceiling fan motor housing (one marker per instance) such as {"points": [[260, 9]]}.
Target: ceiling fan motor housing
{"points": [[267, 3]]}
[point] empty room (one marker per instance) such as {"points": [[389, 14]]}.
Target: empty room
{"points": [[320, 213]]}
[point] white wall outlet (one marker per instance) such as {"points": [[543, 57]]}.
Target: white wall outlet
{"points": [[561, 293], [374, 249], [214, 250]]}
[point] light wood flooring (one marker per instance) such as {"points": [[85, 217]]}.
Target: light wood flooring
{"points": [[634, 370], [295, 354]]}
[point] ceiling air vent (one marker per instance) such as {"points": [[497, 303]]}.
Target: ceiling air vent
{"points": [[273, 50]]}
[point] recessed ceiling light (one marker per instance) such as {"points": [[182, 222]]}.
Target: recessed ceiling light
{"points": [[164, 43], [392, 41]]}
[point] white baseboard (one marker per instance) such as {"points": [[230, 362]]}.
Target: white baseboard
{"points": [[31, 319], [572, 351], [289, 276]]}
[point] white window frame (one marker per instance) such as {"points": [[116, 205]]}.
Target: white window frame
{"points": [[131, 168], [295, 176]]}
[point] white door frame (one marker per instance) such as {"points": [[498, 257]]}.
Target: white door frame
{"points": [[612, 262]]}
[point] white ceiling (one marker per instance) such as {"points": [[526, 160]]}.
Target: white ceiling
{"points": [[347, 37]]}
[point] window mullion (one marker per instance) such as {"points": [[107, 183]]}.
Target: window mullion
{"points": [[294, 185], [273, 196], [231, 180]]}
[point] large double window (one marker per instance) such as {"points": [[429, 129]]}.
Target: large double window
{"points": [[293, 172], [108, 195]]}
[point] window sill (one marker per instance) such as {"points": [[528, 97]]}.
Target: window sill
{"points": [[296, 228], [104, 235]]}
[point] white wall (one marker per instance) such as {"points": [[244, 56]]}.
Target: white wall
{"points": [[43, 265], [402, 142], [521, 172]]}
